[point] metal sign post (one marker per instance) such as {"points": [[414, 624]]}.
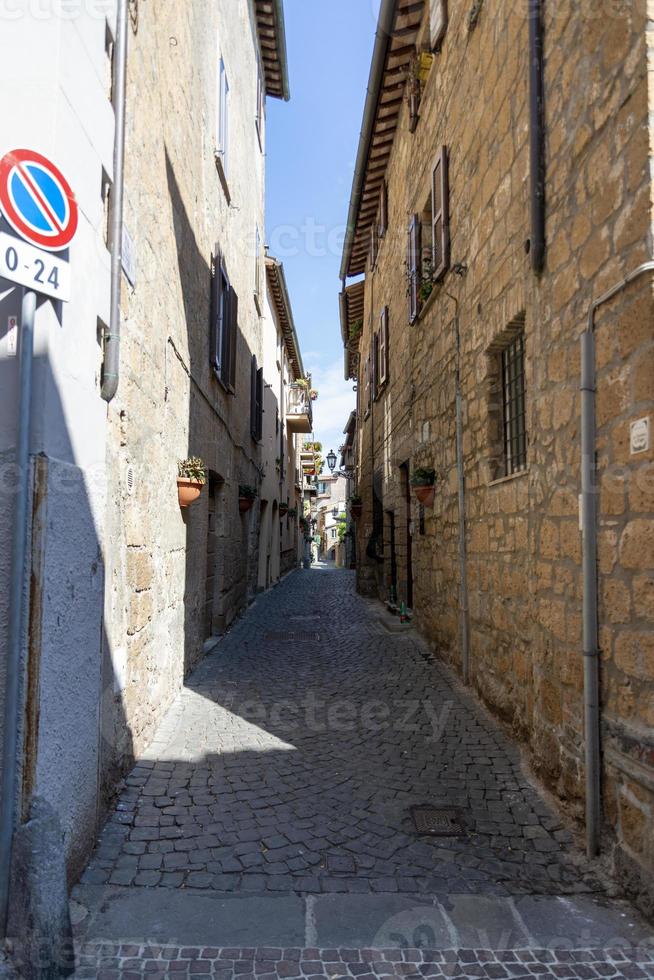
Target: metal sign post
{"points": [[17, 605]]}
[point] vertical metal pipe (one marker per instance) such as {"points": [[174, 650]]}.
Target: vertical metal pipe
{"points": [[17, 600], [111, 369], [463, 565], [590, 607], [536, 135], [589, 516]]}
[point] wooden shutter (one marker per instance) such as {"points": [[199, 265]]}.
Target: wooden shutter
{"points": [[383, 209], [253, 396], [413, 266], [440, 216], [219, 302], [366, 386], [375, 364], [259, 400], [233, 339], [373, 245], [437, 21], [383, 347]]}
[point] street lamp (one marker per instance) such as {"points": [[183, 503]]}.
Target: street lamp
{"points": [[334, 511], [331, 460]]}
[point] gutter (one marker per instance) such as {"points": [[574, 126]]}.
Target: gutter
{"points": [[589, 515], [111, 368], [536, 135], [382, 39], [281, 47]]}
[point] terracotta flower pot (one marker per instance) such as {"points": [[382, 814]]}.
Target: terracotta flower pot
{"points": [[245, 504], [426, 495], [188, 491], [283, 510], [356, 510]]}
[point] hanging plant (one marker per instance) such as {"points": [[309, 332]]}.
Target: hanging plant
{"points": [[246, 497], [422, 482], [191, 477]]}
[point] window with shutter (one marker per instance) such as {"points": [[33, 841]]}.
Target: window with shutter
{"points": [[222, 122], [220, 289], [375, 365], [257, 269], [261, 102], [383, 347], [253, 396], [383, 210], [413, 266], [259, 434], [437, 22], [440, 219], [374, 244], [366, 385], [230, 378]]}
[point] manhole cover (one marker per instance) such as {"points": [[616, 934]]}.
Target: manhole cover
{"points": [[286, 636], [436, 821]]}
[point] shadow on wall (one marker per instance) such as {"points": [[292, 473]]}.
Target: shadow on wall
{"points": [[68, 736], [221, 543]]}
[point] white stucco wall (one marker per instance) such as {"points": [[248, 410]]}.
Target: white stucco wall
{"points": [[56, 101]]}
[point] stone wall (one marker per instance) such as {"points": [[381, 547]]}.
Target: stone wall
{"points": [[522, 532], [176, 577]]}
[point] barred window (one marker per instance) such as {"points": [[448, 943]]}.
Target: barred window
{"points": [[513, 405]]}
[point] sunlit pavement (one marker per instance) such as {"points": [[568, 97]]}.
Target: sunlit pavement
{"points": [[269, 831]]}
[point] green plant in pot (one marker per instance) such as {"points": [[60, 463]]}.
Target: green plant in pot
{"points": [[356, 506], [283, 509], [191, 477], [246, 497], [422, 482]]}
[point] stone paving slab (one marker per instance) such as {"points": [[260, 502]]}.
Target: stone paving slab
{"points": [[292, 765], [187, 917]]}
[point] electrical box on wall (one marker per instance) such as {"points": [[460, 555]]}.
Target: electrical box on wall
{"points": [[639, 436]]}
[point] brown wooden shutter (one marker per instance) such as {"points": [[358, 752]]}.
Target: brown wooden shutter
{"points": [[383, 209], [413, 265], [253, 396], [215, 333], [375, 364], [383, 347], [440, 216], [437, 21], [259, 416], [233, 338], [373, 245]]}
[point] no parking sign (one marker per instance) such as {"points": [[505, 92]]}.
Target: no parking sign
{"points": [[39, 204]]}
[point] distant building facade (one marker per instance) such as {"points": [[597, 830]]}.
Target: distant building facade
{"points": [[464, 339]]}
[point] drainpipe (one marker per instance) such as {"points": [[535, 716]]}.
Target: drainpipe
{"points": [[18, 602], [111, 369], [589, 515], [536, 135], [463, 565]]}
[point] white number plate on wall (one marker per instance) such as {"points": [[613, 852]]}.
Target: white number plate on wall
{"points": [[31, 267]]}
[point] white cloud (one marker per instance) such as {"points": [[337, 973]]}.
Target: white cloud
{"points": [[335, 402]]}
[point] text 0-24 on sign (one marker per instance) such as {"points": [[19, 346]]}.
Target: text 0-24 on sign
{"points": [[29, 266]]}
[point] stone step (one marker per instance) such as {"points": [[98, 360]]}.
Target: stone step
{"points": [[198, 918]]}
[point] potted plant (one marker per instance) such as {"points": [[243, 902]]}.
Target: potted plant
{"points": [[291, 513], [313, 394], [191, 477], [283, 509], [246, 497], [422, 481], [356, 506]]}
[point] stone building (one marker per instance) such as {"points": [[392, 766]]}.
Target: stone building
{"points": [[497, 195], [331, 504], [281, 501], [192, 350]]}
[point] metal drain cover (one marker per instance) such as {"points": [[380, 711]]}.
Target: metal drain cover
{"points": [[286, 636], [437, 821]]}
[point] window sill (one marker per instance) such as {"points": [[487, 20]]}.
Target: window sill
{"points": [[226, 388], [507, 479], [427, 305], [223, 176], [257, 303]]}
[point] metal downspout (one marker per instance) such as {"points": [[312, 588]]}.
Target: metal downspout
{"points": [[589, 515], [18, 601], [111, 367], [536, 135]]}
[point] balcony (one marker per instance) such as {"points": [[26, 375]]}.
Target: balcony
{"points": [[299, 417]]}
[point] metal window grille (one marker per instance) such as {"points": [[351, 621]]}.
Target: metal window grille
{"points": [[513, 396]]}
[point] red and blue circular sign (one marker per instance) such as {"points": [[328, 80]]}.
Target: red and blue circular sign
{"points": [[37, 201]]}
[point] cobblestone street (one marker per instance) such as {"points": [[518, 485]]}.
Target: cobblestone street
{"points": [[288, 770]]}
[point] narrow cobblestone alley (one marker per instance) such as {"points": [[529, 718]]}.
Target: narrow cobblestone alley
{"points": [[274, 808]]}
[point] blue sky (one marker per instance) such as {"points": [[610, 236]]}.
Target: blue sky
{"points": [[311, 145]]}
